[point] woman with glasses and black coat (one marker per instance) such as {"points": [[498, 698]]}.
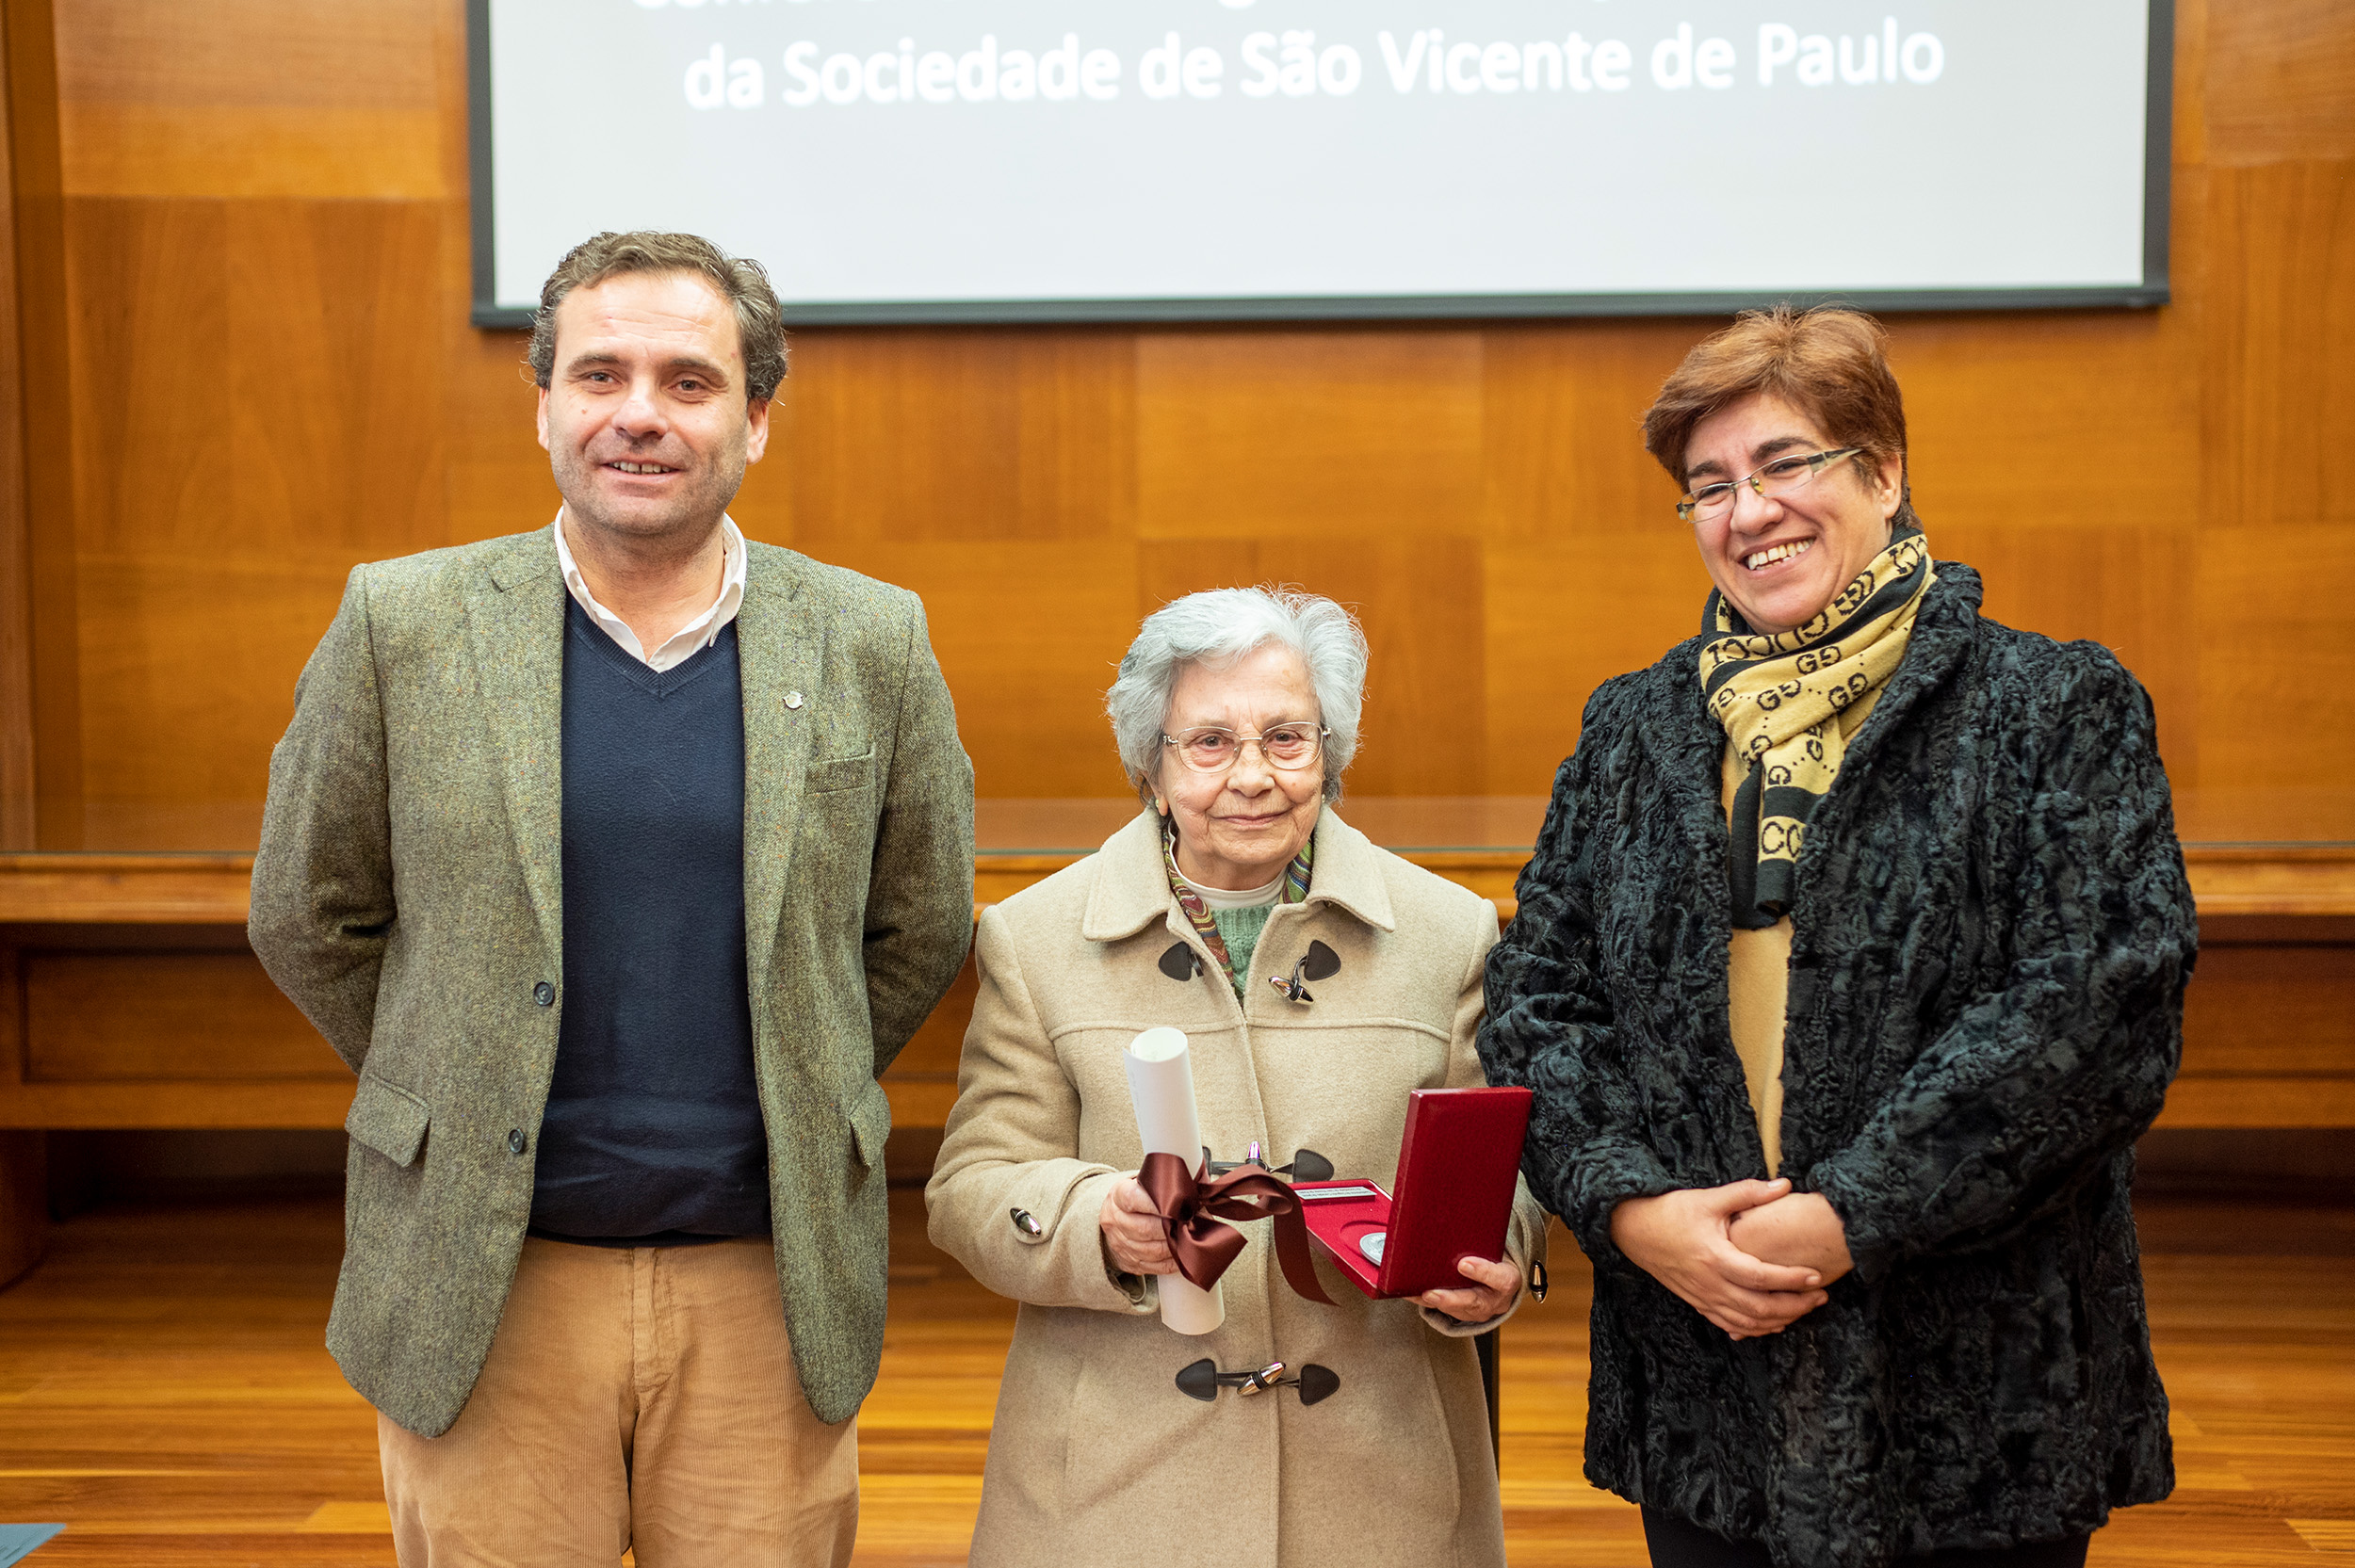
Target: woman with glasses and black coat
{"points": [[1318, 978], [1848, 968]]}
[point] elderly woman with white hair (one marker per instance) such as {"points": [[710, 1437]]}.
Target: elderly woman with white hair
{"points": [[1236, 713]]}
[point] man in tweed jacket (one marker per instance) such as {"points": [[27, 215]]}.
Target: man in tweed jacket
{"points": [[619, 858]]}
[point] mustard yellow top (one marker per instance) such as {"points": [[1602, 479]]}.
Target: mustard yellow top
{"points": [[1758, 976]]}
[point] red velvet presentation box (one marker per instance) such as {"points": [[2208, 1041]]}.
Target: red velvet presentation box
{"points": [[1454, 1198]]}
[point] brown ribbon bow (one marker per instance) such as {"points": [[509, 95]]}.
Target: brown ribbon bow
{"points": [[1192, 1203]]}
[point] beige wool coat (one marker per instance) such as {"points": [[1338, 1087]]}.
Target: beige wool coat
{"points": [[1096, 1457], [409, 898]]}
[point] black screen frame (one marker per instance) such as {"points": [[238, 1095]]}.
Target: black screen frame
{"points": [[2152, 291]]}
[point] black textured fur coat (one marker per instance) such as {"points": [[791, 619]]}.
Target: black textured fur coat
{"points": [[1992, 932]]}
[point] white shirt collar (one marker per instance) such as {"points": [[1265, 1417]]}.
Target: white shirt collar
{"points": [[688, 640], [1249, 898]]}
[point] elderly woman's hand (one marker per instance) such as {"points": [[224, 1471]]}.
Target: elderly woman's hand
{"points": [[1493, 1288], [1132, 1233]]}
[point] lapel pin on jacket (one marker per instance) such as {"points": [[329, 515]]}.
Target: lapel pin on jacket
{"points": [[792, 699], [1180, 962], [1315, 964]]}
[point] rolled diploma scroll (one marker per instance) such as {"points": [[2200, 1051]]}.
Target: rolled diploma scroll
{"points": [[1160, 1081]]}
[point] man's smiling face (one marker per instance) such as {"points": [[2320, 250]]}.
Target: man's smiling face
{"points": [[644, 417]]}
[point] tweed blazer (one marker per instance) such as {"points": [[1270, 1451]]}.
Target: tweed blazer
{"points": [[1991, 935], [408, 897], [1096, 1457]]}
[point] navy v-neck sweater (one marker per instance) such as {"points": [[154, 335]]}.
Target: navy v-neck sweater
{"points": [[652, 1130]]}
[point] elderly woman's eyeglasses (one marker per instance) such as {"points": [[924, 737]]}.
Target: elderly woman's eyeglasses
{"points": [[1779, 478], [1210, 750]]}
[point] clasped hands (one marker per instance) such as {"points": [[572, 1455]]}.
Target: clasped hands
{"points": [[1136, 1244], [1752, 1257]]}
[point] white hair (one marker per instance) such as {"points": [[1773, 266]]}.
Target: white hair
{"points": [[1218, 627]]}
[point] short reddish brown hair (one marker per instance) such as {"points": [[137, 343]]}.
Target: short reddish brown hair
{"points": [[1830, 363]]}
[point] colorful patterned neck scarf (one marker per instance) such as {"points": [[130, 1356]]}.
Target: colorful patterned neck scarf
{"points": [[1778, 696], [1296, 889]]}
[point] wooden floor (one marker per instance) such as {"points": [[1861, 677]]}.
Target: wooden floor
{"points": [[163, 1392]]}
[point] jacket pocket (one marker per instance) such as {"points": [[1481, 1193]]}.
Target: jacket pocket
{"points": [[870, 1125], [842, 773], [388, 1119]]}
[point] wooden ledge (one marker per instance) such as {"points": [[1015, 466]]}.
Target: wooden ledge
{"points": [[125, 890], [2294, 880], [2267, 879]]}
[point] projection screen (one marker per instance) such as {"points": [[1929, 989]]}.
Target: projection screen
{"points": [[977, 160]]}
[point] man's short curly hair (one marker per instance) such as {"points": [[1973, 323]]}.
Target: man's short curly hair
{"points": [[740, 281]]}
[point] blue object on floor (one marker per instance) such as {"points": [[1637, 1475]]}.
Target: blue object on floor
{"points": [[19, 1542]]}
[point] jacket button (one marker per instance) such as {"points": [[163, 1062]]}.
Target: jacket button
{"points": [[515, 1140], [543, 993]]}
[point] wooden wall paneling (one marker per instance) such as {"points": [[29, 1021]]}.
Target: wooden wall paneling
{"points": [[37, 200], [2243, 1101], [1346, 463], [99, 1017], [1076, 454], [244, 381], [2272, 768], [990, 472], [2061, 457], [496, 474], [17, 789], [2068, 420], [2278, 81], [2278, 330], [2278, 385], [182, 1102], [1027, 634], [334, 326], [945, 435], [2190, 143], [2132, 589], [1562, 446], [151, 376], [1347, 435], [2271, 1011], [255, 98], [1586, 571], [1564, 615], [893, 436], [1420, 598], [922, 1082], [284, 424], [159, 489]]}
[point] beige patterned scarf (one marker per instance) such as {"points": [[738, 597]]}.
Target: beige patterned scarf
{"points": [[1778, 696]]}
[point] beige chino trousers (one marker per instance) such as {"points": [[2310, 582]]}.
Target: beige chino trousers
{"points": [[634, 1398]]}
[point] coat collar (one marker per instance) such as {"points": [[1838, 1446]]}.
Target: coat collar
{"points": [[1944, 632], [515, 621], [1687, 745], [524, 558], [1132, 886], [515, 612], [781, 651]]}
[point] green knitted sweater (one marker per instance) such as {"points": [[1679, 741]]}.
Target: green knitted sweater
{"points": [[1239, 929]]}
